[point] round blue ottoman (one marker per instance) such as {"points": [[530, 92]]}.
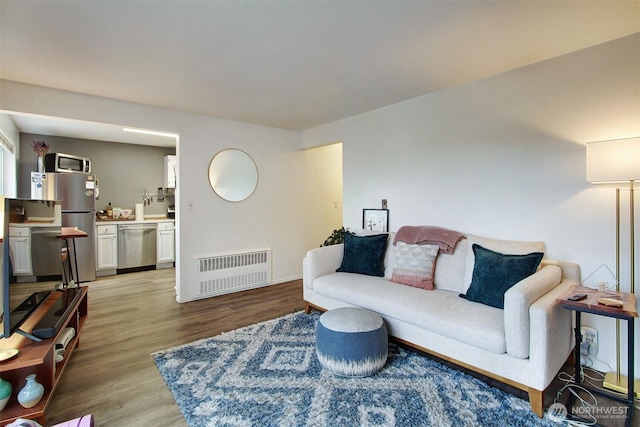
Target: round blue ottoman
{"points": [[351, 342]]}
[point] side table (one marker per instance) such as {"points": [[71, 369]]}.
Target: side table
{"points": [[627, 312], [66, 234]]}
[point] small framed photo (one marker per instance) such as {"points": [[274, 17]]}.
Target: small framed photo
{"points": [[375, 220]]}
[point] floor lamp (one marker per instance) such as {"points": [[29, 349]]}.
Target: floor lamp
{"points": [[618, 161]]}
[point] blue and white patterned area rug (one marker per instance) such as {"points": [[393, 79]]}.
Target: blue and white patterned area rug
{"points": [[268, 375]]}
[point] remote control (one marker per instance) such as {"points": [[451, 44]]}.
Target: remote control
{"points": [[611, 302]]}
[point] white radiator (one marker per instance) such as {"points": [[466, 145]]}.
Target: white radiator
{"points": [[223, 274]]}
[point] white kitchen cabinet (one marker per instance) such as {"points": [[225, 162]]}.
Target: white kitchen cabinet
{"points": [[20, 250], [107, 248], [165, 244], [170, 171]]}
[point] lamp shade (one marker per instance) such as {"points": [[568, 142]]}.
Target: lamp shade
{"points": [[617, 160]]}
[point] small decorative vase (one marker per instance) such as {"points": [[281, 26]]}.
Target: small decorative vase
{"points": [[5, 393], [31, 393], [40, 164]]}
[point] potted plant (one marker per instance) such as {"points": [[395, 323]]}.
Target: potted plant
{"points": [[41, 148], [336, 237]]}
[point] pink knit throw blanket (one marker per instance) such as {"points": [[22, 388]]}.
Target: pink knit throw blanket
{"points": [[429, 235]]}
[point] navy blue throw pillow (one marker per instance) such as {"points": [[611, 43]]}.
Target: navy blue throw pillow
{"points": [[364, 254], [494, 273]]}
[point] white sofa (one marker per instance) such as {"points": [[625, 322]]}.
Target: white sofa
{"points": [[523, 345]]}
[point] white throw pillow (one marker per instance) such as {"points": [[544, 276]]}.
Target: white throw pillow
{"points": [[414, 265], [390, 256]]}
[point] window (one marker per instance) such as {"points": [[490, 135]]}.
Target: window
{"points": [[7, 164]]}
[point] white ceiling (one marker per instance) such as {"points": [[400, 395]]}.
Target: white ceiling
{"points": [[55, 126], [288, 64]]}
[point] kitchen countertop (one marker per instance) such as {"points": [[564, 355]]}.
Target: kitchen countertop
{"points": [[31, 224], [133, 221]]}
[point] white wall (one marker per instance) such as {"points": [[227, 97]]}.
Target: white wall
{"points": [[503, 157], [11, 134], [325, 164], [285, 213]]}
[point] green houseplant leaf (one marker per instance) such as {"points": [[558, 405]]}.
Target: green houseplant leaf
{"points": [[336, 237]]}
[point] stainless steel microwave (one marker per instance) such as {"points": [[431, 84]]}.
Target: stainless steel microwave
{"points": [[58, 162]]}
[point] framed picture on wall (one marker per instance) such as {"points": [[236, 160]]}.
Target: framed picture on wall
{"points": [[375, 220]]}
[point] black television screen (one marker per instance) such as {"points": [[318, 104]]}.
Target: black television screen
{"points": [[31, 258]]}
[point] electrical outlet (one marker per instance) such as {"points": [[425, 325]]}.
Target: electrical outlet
{"points": [[590, 338]]}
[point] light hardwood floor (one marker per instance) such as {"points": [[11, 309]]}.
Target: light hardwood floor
{"points": [[112, 374]]}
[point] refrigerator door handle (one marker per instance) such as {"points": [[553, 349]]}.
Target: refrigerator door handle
{"points": [[78, 212]]}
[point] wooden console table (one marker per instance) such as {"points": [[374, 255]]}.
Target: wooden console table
{"points": [[39, 358]]}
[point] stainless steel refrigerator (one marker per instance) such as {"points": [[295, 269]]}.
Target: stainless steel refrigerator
{"points": [[77, 195]]}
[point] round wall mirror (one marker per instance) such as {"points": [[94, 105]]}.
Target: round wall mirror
{"points": [[233, 175]]}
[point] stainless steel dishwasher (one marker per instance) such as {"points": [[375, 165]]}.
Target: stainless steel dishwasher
{"points": [[45, 251], [136, 245]]}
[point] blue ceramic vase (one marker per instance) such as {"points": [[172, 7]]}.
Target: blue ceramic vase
{"points": [[31, 393]]}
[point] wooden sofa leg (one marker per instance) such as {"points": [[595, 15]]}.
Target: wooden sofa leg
{"points": [[308, 308], [536, 398]]}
